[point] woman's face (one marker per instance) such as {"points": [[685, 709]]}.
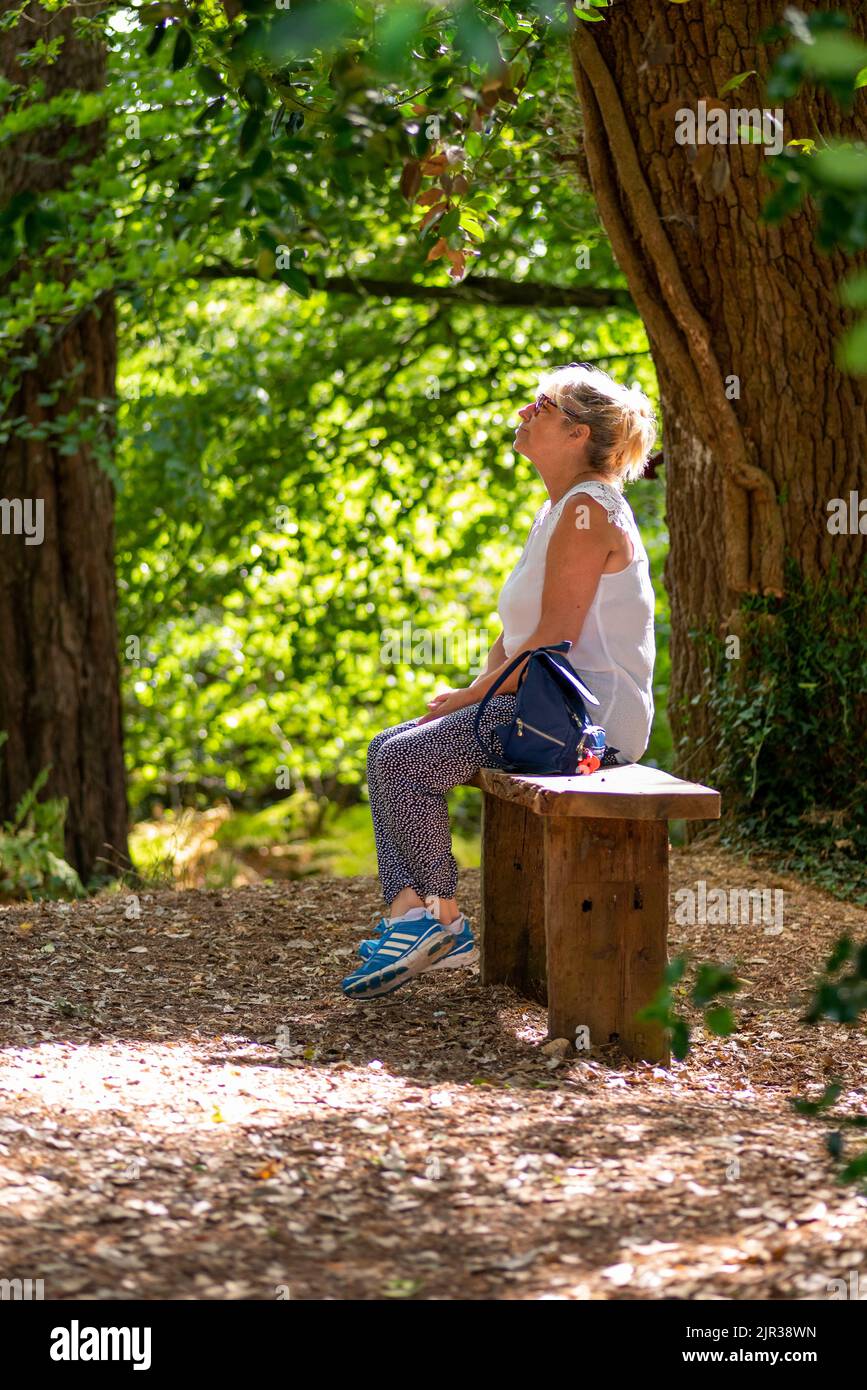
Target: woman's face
{"points": [[542, 433]]}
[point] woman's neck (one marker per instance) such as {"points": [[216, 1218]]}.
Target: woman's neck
{"points": [[558, 491]]}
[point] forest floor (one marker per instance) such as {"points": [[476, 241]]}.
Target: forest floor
{"points": [[190, 1108]]}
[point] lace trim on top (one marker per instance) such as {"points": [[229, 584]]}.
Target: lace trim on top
{"points": [[615, 504]]}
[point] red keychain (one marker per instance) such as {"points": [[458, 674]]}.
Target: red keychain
{"points": [[592, 750]]}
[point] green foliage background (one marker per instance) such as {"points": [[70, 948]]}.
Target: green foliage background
{"points": [[298, 476], [282, 511], [302, 466]]}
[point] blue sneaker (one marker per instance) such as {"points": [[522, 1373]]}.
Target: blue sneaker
{"points": [[466, 952], [385, 924], [370, 943], [405, 951]]}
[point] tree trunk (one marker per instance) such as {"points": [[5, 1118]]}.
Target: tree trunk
{"points": [[59, 676], [729, 304]]}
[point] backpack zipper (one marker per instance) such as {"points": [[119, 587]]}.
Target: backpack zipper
{"points": [[522, 723]]}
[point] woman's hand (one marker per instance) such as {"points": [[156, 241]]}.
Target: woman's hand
{"points": [[446, 702]]}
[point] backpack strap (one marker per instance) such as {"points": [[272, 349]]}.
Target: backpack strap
{"points": [[483, 703]]}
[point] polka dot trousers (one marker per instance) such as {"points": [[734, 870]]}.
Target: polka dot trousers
{"points": [[410, 767]]}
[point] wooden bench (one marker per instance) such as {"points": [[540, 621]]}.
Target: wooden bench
{"points": [[575, 894]]}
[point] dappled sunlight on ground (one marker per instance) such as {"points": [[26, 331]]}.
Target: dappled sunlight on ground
{"points": [[190, 1108]]}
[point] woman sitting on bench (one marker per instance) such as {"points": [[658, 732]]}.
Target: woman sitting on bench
{"points": [[584, 577]]}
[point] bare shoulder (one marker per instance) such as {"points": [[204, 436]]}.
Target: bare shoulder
{"points": [[592, 531], [583, 513], [581, 539]]}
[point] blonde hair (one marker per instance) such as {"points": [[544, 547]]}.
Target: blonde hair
{"points": [[621, 418]]}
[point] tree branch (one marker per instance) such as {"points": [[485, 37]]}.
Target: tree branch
{"points": [[482, 289]]}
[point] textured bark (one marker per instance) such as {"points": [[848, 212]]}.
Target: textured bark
{"points": [[59, 677], [723, 295]]}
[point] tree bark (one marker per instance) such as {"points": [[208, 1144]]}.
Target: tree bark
{"points": [[59, 677], [724, 297]]}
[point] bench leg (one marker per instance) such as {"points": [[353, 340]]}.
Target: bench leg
{"points": [[513, 906], [606, 904]]}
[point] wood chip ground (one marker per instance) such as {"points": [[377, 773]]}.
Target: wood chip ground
{"points": [[190, 1108]]}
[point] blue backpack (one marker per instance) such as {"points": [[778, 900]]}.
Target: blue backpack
{"points": [[551, 732]]}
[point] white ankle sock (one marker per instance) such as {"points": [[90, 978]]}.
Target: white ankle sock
{"points": [[412, 915], [416, 913]]}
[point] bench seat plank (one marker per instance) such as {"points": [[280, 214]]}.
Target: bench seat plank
{"points": [[633, 792]]}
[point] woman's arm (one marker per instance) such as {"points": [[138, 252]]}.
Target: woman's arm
{"points": [[573, 565], [496, 659]]}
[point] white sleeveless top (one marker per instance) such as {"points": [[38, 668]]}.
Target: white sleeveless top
{"points": [[615, 653]]}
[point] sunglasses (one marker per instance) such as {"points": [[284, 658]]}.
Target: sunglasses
{"points": [[546, 400]]}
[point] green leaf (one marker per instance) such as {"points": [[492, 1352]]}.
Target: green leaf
{"points": [[402, 1288], [784, 200], [840, 952], [293, 189], [674, 970], [524, 111], [853, 291], [32, 227], [296, 280], [209, 112], [843, 166], [253, 89], [263, 161], [737, 81], [268, 202], [856, 1169], [712, 980], [471, 225], [233, 184], [299, 32], [852, 351], [835, 55], [249, 130], [448, 223], [182, 49], [210, 82], [474, 39], [22, 810], [156, 38], [720, 1021], [680, 1038], [21, 202], [396, 33], [829, 1097]]}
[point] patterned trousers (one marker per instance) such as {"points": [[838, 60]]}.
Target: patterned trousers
{"points": [[410, 768]]}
